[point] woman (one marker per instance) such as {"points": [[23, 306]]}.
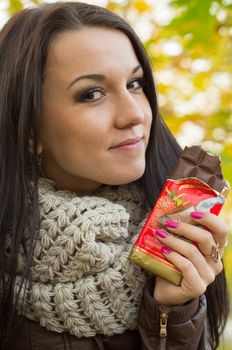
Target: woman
{"points": [[84, 155]]}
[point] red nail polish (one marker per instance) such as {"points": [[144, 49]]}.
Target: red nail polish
{"points": [[165, 250], [172, 224], [197, 214], [161, 233]]}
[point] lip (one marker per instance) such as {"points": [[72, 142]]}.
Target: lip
{"points": [[128, 144]]}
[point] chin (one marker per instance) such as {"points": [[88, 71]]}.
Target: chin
{"points": [[127, 177]]}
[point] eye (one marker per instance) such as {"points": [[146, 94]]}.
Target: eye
{"points": [[92, 95], [136, 84]]}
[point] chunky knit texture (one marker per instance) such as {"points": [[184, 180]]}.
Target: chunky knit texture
{"points": [[82, 279]]}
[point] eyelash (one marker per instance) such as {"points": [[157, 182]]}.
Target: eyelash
{"points": [[83, 97], [141, 82]]}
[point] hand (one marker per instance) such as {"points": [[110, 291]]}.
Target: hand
{"points": [[196, 263]]}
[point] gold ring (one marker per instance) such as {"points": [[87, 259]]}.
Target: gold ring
{"points": [[215, 255]]}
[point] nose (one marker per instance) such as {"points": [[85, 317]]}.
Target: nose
{"points": [[129, 110]]}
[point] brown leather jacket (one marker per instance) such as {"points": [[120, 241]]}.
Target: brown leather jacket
{"points": [[179, 328]]}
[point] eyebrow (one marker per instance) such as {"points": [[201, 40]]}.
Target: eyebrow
{"points": [[99, 77]]}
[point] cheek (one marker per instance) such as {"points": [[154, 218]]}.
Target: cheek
{"points": [[75, 140], [147, 110], [89, 135], [68, 135], [54, 136], [148, 119]]}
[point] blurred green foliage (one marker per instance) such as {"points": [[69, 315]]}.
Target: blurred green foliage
{"points": [[190, 47]]}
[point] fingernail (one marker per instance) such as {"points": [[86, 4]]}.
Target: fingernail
{"points": [[197, 214], [165, 250], [161, 233], [172, 224]]}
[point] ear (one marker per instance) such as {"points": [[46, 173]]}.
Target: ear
{"points": [[39, 147]]}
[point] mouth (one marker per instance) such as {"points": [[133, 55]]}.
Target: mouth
{"points": [[128, 144]]}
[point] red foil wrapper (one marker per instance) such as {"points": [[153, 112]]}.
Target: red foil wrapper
{"points": [[177, 199]]}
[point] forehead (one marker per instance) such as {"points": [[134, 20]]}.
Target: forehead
{"points": [[91, 47]]}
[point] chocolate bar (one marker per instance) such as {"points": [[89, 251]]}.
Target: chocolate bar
{"points": [[195, 162], [197, 184]]}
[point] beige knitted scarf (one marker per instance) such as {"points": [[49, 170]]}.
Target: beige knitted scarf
{"points": [[82, 279]]}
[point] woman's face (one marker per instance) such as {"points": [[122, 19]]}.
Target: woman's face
{"points": [[95, 116]]}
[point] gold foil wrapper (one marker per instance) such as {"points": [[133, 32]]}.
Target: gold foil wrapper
{"points": [[155, 265]]}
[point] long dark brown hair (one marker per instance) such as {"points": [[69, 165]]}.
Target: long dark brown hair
{"points": [[24, 44]]}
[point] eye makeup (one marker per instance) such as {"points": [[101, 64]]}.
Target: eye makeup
{"points": [[89, 95], [95, 93]]}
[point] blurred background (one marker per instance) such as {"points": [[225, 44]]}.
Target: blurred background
{"points": [[190, 47]]}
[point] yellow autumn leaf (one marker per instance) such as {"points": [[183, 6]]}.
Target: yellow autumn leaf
{"points": [[141, 6], [14, 6]]}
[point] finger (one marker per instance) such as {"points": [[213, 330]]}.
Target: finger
{"points": [[216, 266], [207, 268], [192, 285], [214, 224], [202, 237]]}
